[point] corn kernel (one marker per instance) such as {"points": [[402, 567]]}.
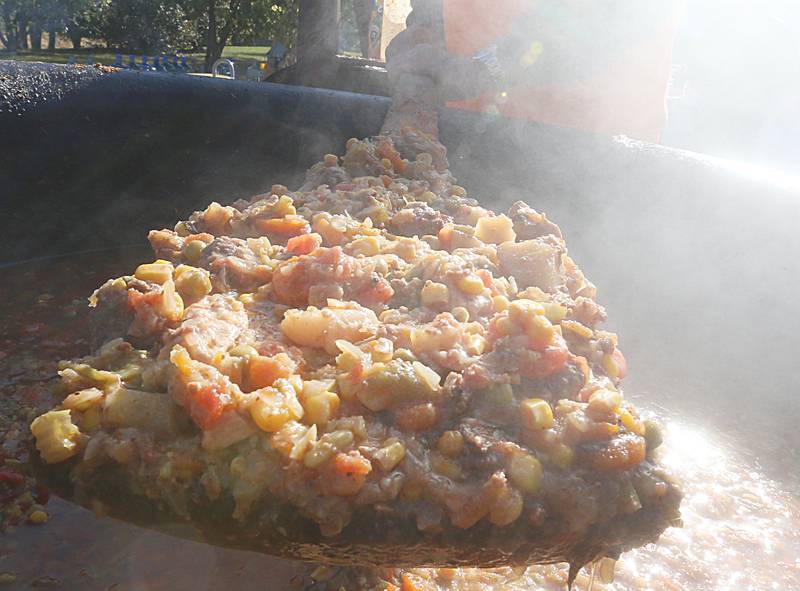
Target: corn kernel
{"points": [[536, 414], [390, 455], [320, 408], [630, 422], [471, 285], [554, 312], [504, 325], [519, 310], [460, 313], [495, 230], [193, 250], [158, 272], [562, 455], [330, 160], [434, 294], [367, 246], [380, 349], [273, 408], [450, 444], [243, 351], [285, 206], [37, 517], [192, 283], [604, 400], [170, 303], [475, 345], [500, 303], [539, 331], [506, 507], [386, 163], [525, 472], [578, 328]]}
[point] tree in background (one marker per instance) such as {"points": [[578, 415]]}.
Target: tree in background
{"points": [[219, 21], [21, 18], [13, 19], [148, 26], [84, 19]]}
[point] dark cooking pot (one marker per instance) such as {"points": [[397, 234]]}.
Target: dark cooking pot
{"points": [[697, 260]]}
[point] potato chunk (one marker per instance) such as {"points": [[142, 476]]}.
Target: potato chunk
{"points": [[322, 328], [531, 263], [56, 436]]}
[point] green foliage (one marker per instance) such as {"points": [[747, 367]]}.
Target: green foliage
{"points": [[147, 26], [220, 21]]}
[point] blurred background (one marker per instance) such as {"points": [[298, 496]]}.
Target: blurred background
{"points": [[734, 91], [736, 73]]}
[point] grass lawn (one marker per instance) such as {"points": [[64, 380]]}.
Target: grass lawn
{"points": [[109, 56]]}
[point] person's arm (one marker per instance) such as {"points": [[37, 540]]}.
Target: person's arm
{"points": [[559, 41]]}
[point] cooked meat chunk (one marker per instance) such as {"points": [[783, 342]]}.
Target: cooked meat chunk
{"points": [[209, 327]]}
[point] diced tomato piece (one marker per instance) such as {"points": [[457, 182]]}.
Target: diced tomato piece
{"points": [[205, 404], [137, 299], [446, 237], [349, 473], [203, 237], [304, 243], [488, 280], [622, 453], [379, 293], [356, 373], [350, 464], [388, 151], [263, 371], [330, 256], [552, 359], [410, 584], [11, 477]]}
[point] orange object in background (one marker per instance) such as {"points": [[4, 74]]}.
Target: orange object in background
{"points": [[628, 96]]}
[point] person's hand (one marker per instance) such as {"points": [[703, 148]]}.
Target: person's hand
{"points": [[414, 52], [415, 57], [413, 63]]}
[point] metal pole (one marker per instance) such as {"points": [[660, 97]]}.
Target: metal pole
{"points": [[318, 31]]}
